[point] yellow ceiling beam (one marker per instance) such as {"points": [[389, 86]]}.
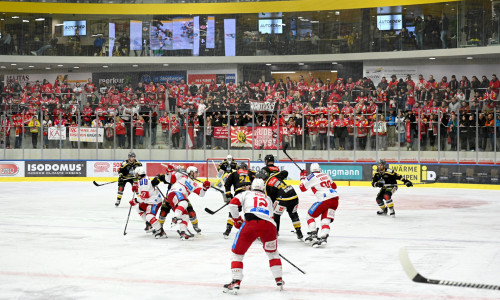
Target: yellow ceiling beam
{"points": [[200, 8]]}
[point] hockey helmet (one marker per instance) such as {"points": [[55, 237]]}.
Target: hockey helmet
{"points": [[229, 157], [315, 168], [258, 185], [131, 155], [193, 170], [243, 165], [140, 171], [269, 158], [262, 174]]}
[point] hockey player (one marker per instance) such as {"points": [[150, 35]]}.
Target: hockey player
{"points": [[386, 180], [149, 201], [240, 180], [256, 222], [271, 169], [324, 188], [126, 175], [183, 186], [284, 199], [224, 169], [166, 208]]}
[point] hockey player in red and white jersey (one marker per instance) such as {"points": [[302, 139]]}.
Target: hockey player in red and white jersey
{"points": [[149, 200], [256, 222], [183, 186], [324, 188]]}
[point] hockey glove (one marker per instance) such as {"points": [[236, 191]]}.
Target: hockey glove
{"points": [[229, 196], [237, 222], [162, 178], [408, 183], [135, 188], [133, 202], [120, 179], [206, 185], [303, 174], [379, 184]]}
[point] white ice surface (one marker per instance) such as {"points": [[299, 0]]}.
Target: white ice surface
{"points": [[64, 240]]}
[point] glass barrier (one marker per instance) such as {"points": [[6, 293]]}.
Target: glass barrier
{"points": [[160, 126], [463, 24]]}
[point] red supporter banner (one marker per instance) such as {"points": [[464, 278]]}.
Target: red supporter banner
{"points": [[220, 133], [201, 78], [267, 137], [241, 137]]}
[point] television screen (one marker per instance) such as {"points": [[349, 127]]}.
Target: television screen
{"points": [[390, 22], [70, 27], [271, 15], [271, 26], [389, 10]]}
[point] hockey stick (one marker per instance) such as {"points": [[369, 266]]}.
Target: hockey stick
{"points": [[416, 277], [208, 210], [101, 184], [292, 264], [128, 217], [402, 184], [284, 151]]}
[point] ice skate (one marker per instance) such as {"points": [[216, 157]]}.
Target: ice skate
{"points": [[299, 233], [320, 242], [232, 287], [183, 235], [382, 211], [117, 202], [313, 236], [228, 231], [196, 228], [280, 283], [148, 228], [392, 212], [160, 234]]}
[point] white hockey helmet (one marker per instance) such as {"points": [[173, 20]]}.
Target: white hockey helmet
{"points": [[315, 168], [140, 171], [229, 157], [258, 185], [192, 169]]}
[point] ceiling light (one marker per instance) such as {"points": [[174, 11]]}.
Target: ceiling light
{"points": [[135, 66], [76, 67], [165, 65], [2, 67], [13, 64], [2, 19], [334, 63], [40, 19], [26, 21], [104, 66], [31, 66], [314, 21], [59, 25], [432, 58], [470, 57], [333, 71], [337, 13], [268, 64], [15, 17], [20, 69], [283, 72], [301, 64], [60, 65], [47, 68]]}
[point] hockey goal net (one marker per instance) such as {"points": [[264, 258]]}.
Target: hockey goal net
{"points": [[213, 163]]}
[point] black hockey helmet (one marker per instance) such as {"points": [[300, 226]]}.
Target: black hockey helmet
{"points": [[131, 154], [382, 163], [269, 158], [262, 174], [243, 165]]}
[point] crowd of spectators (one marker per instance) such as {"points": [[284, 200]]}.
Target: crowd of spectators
{"points": [[310, 113]]}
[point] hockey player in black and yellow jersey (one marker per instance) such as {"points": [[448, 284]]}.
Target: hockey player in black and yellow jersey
{"points": [[283, 196], [126, 174], [240, 180], [386, 180]]}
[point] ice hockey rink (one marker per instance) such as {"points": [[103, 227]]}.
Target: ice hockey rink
{"points": [[64, 240]]}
